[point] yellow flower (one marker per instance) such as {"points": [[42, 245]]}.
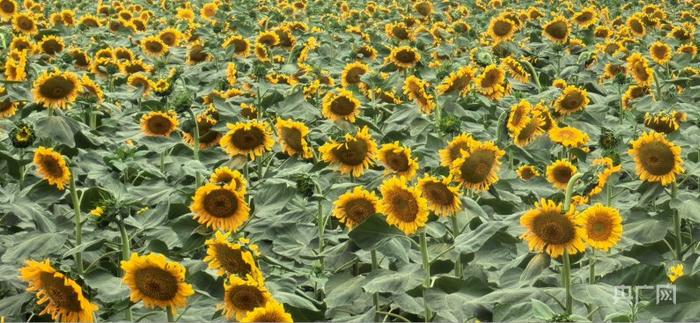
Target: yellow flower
{"points": [[56, 89], [656, 158], [231, 73], [25, 22], [227, 176], [52, 167], [515, 69], [352, 73], [8, 107], [230, 259], [404, 57], [220, 207], [454, 149], [354, 155], [560, 172], [572, 99], [477, 169], [158, 123], [156, 281], [97, 212], [457, 82], [402, 205], [271, 312], [250, 139], [397, 160], [602, 226], [50, 45], [292, 137], [608, 170], [660, 52], [442, 199], [569, 137], [241, 296], [519, 116], [586, 17], [633, 92], [501, 29], [241, 46], [557, 30], [154, 46], [552, 231], [676, 271], [527, 172], [416, 89], [638, 68], [63, 296], [7, 9], [341, 106], [492, 82], [354, 207]]}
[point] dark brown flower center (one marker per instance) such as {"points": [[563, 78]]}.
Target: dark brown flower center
{"points": [[657, 158], [352, 153], [477, 166], [554, 228], [231, 260], [404, 205], [159, 125], [246, 297], [248, 139], [62, 296], [56, 88], [358, 210], [572, 101], [438, 193], [292, 137], [562, 174], [502, 27], [221, 203], [156, 283], [558, 30], [341, 105], [406, 56], [398, 162]]}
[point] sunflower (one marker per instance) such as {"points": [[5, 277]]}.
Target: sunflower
{"points": [[689, 49], [20, 43], [25, 22], [197, 53], [185, 14], [519, 116], [572, 99], [352, 74], [170, 37], [501, 29], [608, 170], [657, 159], [491, 82], [676, 271], [532, 130], [633, 92], [242, 296], [542, 112], [477, 169], [8, 8], [16, 66], [8, 108], [354, 207], [341, 106], [454, 149], [638, 67], [662, 122], [229, 258], [241, 46], [586, 17], [635, 24], [552, 231], [527, 172], [231, 74], [135, 66], [51, 45], [416, 89], [227, 176], [124, 54], [404, 57], [251, 139], [89, 21], [397, 160], [424, 8], [56, 89], [104, 67], [602, 226], [398, 30], [557, 30], [52, 167], [153, 46], [156, 281], [208, 11], [560, 172], [157, 123], [63, 296], [660, 52], [271, 312], [457, 82], [515, 69], [268, 39], [220, 207], [402, 205], [442, 199], [354, 155], [91, 88], [292, 137], [366, 52], [569, 137]]}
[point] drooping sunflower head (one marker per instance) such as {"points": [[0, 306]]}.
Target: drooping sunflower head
{"points": [[123, 54], [251, 139], [242, 296], [454, 149], [586, 17], [56, 89], [220, 207], [602, 226], [229, 258], [515, 69], [157, 123], [52, 167], [442, 198], [25, 22], [226, 176], [543, 113], [458, 81], [633, 92], [656, 158], [16, 66], [417, 89], [156, 281], [501, 29], [241, 46], [354, 155], [51, 45], [89, 21], [154, 46], [478, 168], [638, 67], [402, 205], [527, 172], [557, 30], [519, 116], [197, 53], [268, 39], [354, 207], [551, 230], [492, 82], [660, 52], [8, 107], [91, 88], [662, 122], [560, 172], [271, 312], [352, 73], [292, 136], [404, 57], [572, 99], [569, 137], [398, 160], [341, 106], [61, 295], [532, 130]]}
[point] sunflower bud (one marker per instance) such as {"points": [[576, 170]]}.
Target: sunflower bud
{"points": [[22, 136], [181, 100]]}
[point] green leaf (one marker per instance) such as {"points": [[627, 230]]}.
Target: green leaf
{"points": [[37, 246], [373, 232], [472, 241]]}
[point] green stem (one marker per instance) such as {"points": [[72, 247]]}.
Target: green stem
{"points": [[22, 169], [78, 224], [570, 190], [92, 115], [535, 76], [170, 312], [608, 194], [458, 261], [375, 296], [566, 281], [426, 268], [677, 224], [126, 254], [591, 267], [162, 162], [195, 148]]}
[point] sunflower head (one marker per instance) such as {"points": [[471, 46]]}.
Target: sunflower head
{"points": [[442, 198], [56, 89], [240, 45], [458, 81], [550, 230], [478, 168], [638, 67], [656, 158], [158, 123], [7, 9], [560, 172], [22, 135], [662, 122], [354, 155], [251, 139], [25, 22], [602, 226], [519, 116], [402, 205], [156, 281], [527, 172], [227, 176], [676, 271], [404, 57], [154, 46], [660, 52], [501, 29], [569, 137], [341, 106], [454, 148], [51, 45], [352, 73], [586, 17], [354, 207], [52, 167], [271, 312], [572, 99], [61, 295], [293, 138], [397, 160], [492, 82], [229, 258], [557, 30], [220, 207], [242, 296]]}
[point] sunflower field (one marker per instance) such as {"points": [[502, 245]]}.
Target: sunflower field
{"points": [[349, 160]]}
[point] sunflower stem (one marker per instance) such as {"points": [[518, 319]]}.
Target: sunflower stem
{"points": [[126, 253], [566, 281], [195, 148], [92, 117], [676, 223], [169, 311], [570, 190], [534, 75], [591, 267], [162, 161], [78, 224], [21, 168], [426, 268], [375, 296], [455, 232]]}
